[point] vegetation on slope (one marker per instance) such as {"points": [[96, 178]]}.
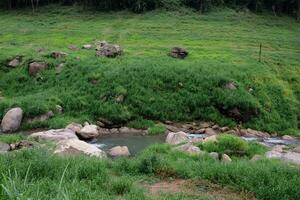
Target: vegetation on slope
{"points": [[223, 47]]}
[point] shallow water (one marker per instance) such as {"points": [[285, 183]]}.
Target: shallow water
{"points": [[135, 143]]}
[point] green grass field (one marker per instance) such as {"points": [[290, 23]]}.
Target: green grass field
{"points": [[223, 46]]}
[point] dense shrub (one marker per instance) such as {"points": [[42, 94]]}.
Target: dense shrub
{"points": [[233, 145]]}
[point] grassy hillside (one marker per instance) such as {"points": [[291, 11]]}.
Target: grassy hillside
{"points": [[223, 47]]}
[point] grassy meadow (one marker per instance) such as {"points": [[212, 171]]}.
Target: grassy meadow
{"points": [[223, 46]]}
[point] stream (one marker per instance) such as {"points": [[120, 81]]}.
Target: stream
{"points": [[137, 143]]}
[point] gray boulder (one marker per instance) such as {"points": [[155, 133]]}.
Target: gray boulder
{"points": [[15, 62], [12, 120], [36, 67], [55, 135], [78, 147], [190, 149], [119, 151], [108, 50], [177, 138], [58, 54], [178, 52], [4, 147], [88, 132]]}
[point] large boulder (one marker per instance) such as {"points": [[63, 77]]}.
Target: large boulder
{"points": [[36, 67], [88, 132], [119, 151], [178, 52], [12, 120], [190, 149], [55, 135], [108, 50], [78, 147], [177, 138]]}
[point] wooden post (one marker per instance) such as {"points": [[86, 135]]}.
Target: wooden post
{"points": [[260, 47]]}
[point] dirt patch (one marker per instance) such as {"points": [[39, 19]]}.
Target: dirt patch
{"points": [[199, 188]]}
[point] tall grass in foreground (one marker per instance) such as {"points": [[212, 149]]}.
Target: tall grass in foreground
{"points": [[37, 174]]}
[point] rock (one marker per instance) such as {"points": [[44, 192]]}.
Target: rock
{"points": [[205, 124], [215, 127], [58, 55], [177, 138], [226, 158], [36, 67], [279, 148], [126, 130], [12, 120], [78, 147], [253, 133], [105, 131], [87, 46], [74, 127], [59, 109], [256, 158], [105, 122], [189, 148], [210, 131], [41, 118], [172, 128], [239, 114], [296, 149], [178, 52], [119, 151], [291, 157], [212, 138], [273, 154], [224, 129], [88, 132], [55, 135], [59, 68], [120, 99], [20, 145], [73, 47], [196, 140], [4, 147], [15, 62], [230, 86], [214, 155], [287, 137], [108, 50]]}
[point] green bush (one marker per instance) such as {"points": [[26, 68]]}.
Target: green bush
{"points": [[157, 129], [120, 186], [233, 145]]}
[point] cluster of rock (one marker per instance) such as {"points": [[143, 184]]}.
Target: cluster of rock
{"points": [[71, 140], [284, 153], [13, 118], [182, 142], [210, 128], [5, 147]]}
